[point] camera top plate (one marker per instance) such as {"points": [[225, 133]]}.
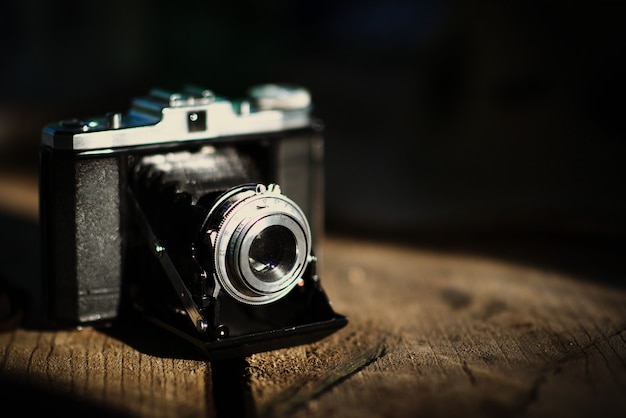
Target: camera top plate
{"points": [[189, 115]]}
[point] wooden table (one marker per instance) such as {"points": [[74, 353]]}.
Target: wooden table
{"points": [[432, 333]]}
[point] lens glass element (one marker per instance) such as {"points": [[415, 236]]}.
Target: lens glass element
{"points": [[273, 253]]}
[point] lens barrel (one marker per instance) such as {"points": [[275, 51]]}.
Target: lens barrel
{"points": [[260, 242]]}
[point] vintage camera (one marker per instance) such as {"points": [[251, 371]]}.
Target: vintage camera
{"points": [[199, 213]]}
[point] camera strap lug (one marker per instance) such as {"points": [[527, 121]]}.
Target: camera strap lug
{"points": [[160, 252]]}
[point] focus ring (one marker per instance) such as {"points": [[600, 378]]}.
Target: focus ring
{"points": [[261, 246]]}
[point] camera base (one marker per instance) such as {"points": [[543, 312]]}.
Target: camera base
{"points": [[246, 345]]}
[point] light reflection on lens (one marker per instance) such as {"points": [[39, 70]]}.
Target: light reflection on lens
{"points": [[273, 253]]}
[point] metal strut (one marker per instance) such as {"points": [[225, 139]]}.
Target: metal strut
{"points": [[160, 252]]}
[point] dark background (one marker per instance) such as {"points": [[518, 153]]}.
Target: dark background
{"points": [[466, 124]]}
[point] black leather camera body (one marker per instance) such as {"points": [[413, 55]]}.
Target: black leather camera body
{"points": [[200, 213]]}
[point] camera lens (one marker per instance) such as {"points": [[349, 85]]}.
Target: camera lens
{"points": [[260, 241], [272, 253]]}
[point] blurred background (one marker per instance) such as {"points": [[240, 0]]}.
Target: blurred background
{"points": [[469, 124]]}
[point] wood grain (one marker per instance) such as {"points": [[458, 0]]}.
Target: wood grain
{"points": [[96, 368], [465, 336], [458, 335]]}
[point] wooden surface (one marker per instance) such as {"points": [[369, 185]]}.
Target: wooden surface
{"points": [[431, 333]]}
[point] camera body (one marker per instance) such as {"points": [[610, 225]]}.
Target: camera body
{"points": [[199, 212]]}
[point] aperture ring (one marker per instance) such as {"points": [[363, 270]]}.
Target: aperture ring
{"points": [[270, 225]]}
